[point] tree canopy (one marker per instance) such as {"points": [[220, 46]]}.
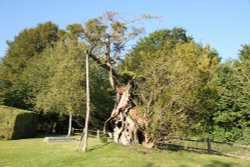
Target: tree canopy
{"points": [[166, 86], [173, 82]]}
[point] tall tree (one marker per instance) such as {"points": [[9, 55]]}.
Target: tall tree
{"points": [[26, 45], [154, 42], [173, 88], [231, 119], [61, 88], [227, 115], [106, 37], [65, 91], [85, 146], [242, 74]]}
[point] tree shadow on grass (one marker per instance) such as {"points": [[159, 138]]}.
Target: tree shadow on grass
{"points": [[149, 164], [217, 164], [221, 164], [99, 146], [174, 147]]}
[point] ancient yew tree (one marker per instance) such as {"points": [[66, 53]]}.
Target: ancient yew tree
{"points": [[106, 37], [159, 84]]}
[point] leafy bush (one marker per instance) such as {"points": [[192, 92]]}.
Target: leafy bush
{"points": [[245, 139], [229, 135], [17, 123]]}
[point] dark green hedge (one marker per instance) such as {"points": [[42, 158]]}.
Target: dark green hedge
{"points": [[17, 123]]}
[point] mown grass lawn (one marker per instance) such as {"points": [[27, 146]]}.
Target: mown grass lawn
{"points": [[35, 153]]}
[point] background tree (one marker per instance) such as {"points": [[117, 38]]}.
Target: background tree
{"points": [[242, 72], [20, 88], [172, 83], [167, 85], [227, 106], [232, 103], [65, 91], [242, 75], [27, 44], [155, 42]]}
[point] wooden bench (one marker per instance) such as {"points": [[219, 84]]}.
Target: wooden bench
{"points": [[58, 139]]}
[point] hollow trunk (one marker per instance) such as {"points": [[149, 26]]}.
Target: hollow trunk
{"points": [[148, 142], [120, 126]]}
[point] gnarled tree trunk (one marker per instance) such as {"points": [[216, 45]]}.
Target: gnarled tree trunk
{"points": [[119, 125], [109, 34]]}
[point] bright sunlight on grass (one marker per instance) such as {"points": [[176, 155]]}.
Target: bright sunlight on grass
{"points": [[35, 153]]}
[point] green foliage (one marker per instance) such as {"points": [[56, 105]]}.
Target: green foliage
{"points": [[65, 90], [101, 96], [242, 70], [224, 133], [179, 86], [245, 137], [16, 123], [53, 75], [27, 44], [245, 53], [174, 83], [231, 119], [227, 114], [155, 42], [32, 80], [158, 39], [62, 86]]}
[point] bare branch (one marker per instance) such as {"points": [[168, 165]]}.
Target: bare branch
{"points": [[105, 66]]}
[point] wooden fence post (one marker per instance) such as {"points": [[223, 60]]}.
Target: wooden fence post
{"points": [[209, 146], [98, 134]]}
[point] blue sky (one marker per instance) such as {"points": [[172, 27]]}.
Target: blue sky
{"points": [[223, 24]]}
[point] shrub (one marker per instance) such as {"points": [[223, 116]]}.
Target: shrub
{"points": [[229, 135], [245, 139], [17, 123]]}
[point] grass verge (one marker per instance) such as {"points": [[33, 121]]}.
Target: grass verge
{"points": [[35, 152]]}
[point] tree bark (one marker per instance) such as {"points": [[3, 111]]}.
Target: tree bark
{"points": [[85, 144], [70, 125], [120, 126]]}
